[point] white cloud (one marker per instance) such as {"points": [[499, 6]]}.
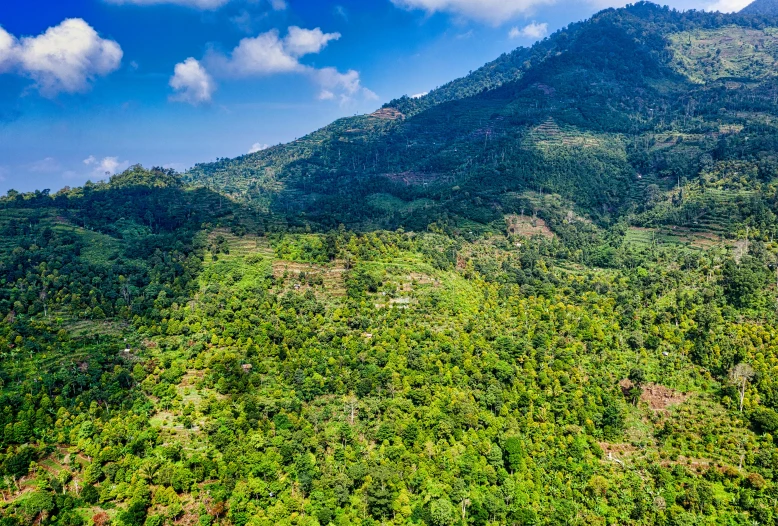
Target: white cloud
{"points": [[269, 54], [258, 147], [197, 4], [348, 85], [66, 58], [278, 5], [490, 11], [262, 55], [419, 95], [534, 31], [106, 165], [728, 6], [299, 42], [8, 50], [332, 79], [192, 83]]}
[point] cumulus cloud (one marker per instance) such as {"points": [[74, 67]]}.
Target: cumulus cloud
{"points": [[258, 147], [299, 42], [270, 54], [348, 85], [728, 6], [66, 58], [533, 30], [106, 165], [490, 11], [419, 95], [192, 83], [261, 55], [8, 50]]}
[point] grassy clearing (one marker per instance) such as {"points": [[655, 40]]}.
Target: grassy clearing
{"points": [[726, 52], [527, 226], [672, 235]]}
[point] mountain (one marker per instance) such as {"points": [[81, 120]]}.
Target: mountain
{"points": [[632, 101], [543, 294], [761, 8]]}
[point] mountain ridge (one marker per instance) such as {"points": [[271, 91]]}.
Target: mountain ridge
{"points": [[621, 72], [549, 302], [761, 7]]}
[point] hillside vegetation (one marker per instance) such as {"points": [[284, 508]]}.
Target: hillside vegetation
{"points": [[608, 113], [543, 294], [761, 7]]}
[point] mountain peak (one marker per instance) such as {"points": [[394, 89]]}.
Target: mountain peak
{"points": [[761, 7]]}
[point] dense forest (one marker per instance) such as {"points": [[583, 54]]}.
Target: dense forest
{"points": [[543, 294]]}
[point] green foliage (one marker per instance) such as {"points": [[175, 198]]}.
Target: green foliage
{"points": [[575, 115], [744, 281], [766, 420], [540, 346]]}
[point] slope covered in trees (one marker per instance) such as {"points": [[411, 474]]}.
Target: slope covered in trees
{"points": [[761, 7], [163, 365], [547, 295], [635, 100]]}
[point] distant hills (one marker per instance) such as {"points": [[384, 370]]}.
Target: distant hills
{"points": [[612, 115], [761, 7]]}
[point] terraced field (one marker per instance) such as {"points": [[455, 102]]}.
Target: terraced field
{"points": [[253, 251], [550, 135], [527, 226]]}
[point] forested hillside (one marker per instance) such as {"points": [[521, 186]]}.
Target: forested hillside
{"points": [[610, 113], [761, 7], [543, 294]]}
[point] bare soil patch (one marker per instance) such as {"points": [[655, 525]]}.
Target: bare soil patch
{"points": [[527, 226], [655, 396], [391, 114]]}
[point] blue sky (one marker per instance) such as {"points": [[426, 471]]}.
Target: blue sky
{"points": [[88, 87]]}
